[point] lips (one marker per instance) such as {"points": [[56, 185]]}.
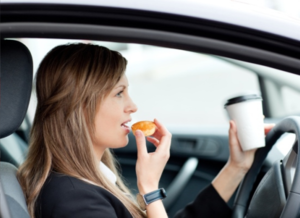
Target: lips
{"points": [[125, 125]]}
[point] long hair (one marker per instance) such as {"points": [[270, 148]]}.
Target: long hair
{"points": [[71, 82]]}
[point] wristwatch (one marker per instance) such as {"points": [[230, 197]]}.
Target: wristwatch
{"points": [[144, 200]]}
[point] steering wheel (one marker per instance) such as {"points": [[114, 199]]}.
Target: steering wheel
{"points": [[291, 209]]}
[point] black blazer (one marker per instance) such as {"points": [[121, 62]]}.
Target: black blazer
{"points": [[67, 197]]}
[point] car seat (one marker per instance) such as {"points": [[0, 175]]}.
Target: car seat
{"points": [[15, 90]]}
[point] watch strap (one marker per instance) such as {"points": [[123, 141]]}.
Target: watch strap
{"points": [[155, 195]]}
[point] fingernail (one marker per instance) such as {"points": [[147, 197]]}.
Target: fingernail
{"points": [[138, 133]]}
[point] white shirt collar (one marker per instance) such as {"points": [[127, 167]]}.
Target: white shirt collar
{"points": [[108, 173]]}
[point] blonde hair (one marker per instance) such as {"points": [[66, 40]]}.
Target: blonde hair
{"points": [[71, 82]]}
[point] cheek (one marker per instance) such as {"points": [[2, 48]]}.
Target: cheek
{"points": [[104, 125], [108, 130], [110, 138], [109, 133], [105, 120]]}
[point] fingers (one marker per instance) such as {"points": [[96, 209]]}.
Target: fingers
{"points": [[268, 127], [156, 134], [154, 141], [141, 143], [161, 139], [160, 127], [160, 130], [165, 140], [233, 138]]}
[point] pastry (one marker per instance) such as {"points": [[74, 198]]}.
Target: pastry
{"points": [[147, 127]]}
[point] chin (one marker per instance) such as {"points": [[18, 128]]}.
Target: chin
{"points": [[124, 143], [120, 146]]}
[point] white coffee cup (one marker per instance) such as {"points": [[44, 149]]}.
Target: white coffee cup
{"points": [[246, 112]]}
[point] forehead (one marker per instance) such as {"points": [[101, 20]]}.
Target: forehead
{"points": [[123, 81]]}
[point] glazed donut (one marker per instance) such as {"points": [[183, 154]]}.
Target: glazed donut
{"points": [[147, 127]]}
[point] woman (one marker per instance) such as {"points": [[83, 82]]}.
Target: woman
{"points": [[83, 107]]}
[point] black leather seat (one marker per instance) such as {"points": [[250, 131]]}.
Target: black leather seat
{"points": [[15, 90]]}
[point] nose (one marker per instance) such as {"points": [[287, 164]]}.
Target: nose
{"points": [[132, 108]]}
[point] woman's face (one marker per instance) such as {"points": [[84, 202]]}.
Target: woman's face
{"points": [[112, 116]]}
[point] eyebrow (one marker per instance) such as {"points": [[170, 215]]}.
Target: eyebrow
{"points": [[121, 86]]}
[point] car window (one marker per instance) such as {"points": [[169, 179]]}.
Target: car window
{"points": [[291, 99], [182, 87], [178, 87]]}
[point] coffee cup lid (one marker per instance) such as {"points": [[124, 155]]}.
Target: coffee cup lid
{"points": [[242, 98]]}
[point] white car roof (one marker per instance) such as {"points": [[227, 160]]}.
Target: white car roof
{"points": [[226, 11]]}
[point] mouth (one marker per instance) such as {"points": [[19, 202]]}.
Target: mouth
{"points": [[125, 124]]}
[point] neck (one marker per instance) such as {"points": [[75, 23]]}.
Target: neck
{"points": [[98, 151]]}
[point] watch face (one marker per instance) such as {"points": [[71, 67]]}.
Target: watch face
{"points": [[140, 201]]}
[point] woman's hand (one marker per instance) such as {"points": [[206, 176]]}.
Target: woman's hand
{"points": [[237, 166], [238, 158], [150, 166]]}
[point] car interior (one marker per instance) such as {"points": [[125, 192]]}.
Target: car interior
{"points": [[216, 57], [197, 153]]}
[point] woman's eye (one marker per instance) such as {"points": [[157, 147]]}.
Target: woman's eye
{"points": [[119, 94]]}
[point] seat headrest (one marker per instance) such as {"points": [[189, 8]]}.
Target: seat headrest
{"points": [[15, 85]]}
